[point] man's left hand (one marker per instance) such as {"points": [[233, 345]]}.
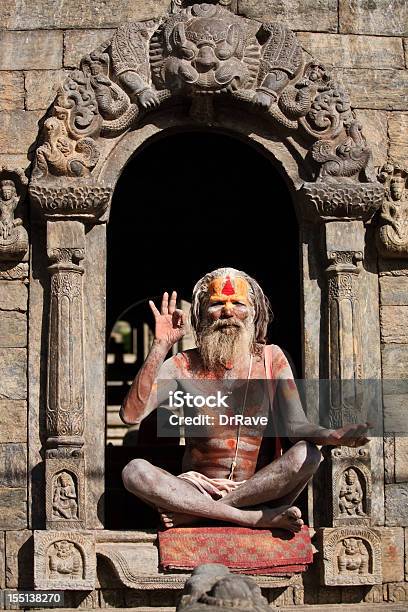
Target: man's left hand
{"points": [[349, 435]]}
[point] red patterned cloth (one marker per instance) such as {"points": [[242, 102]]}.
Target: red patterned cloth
{"points": [[241, 549]]}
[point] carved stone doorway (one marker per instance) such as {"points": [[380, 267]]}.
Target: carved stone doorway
{"points": [[187, 203]]}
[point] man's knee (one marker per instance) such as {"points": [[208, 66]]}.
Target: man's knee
{"points": [[137, 475], [306, 457]]}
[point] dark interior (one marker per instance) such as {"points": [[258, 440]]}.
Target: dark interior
{"points": [[186, 204]]}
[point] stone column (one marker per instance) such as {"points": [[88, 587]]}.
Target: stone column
{"points": [[65, 470], [350, 549]]}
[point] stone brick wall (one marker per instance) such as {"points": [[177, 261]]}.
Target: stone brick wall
{"points": [[366, 42]]}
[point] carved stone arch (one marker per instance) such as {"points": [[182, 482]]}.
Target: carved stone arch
{"points": [[143, 83]]}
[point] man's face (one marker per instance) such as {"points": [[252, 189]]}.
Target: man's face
{"points": [[228, 302]]}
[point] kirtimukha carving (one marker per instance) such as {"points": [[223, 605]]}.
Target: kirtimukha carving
{"points": [[13, 236], [64, 559], [392, 237], [203, 52], [351, 556], [65, 497], [212, 587]]}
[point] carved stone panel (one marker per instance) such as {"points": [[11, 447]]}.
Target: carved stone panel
{"points": [[392, 236], [64, 560], [13, 236], [350, 556], [65, 492], [351, 486]]}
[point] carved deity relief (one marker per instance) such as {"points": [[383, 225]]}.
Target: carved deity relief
{"points": [[198, 51], [351, 494], [64, 560], [353, 556], [13, 236], [65, 497], [392, 238]]}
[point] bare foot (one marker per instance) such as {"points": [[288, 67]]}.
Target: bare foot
{"points": [[176, 519], [284, 517]]}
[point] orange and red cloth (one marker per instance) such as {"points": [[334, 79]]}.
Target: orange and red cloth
{"points": [[244, 550]]}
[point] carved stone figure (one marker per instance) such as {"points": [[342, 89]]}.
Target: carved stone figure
{"points": [[65, 497], [65, 559], [212, 587], [230, 317], [393, 232], [353, 556], [351, 494], [13, 236]]}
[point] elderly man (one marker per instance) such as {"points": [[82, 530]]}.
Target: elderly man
{"points": [[229, 316]]}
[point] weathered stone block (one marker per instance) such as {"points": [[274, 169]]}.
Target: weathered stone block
{"points": [[12, 271], [30, 50], [13, 373], [396, 504], [13, 508], [398, 592], [19, 559], [354, 51], [13, 296], [13, 139], [296, 14], [78, 43], [395, 361], [394, 290], [13, 419], [392, 543], [41, 87], [374, 124], [395, 409], [11, 90], [13, 329], [405, 42], [394, 324], [374, 17], [406, 556], [401, 453], [77, 14], [13, 465], [397, 133], [375, 89]]}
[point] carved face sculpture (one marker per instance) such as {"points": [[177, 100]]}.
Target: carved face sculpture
{"points": [[7, 190], [64, 548], [209, 50], [350, 477], [351, 546]]}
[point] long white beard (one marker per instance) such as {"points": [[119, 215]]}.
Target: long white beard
{"points": [[222, 343]]}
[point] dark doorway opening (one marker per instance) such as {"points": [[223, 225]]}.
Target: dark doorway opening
{"points": [[185, 205]]}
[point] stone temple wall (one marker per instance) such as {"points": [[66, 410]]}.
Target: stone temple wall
{"points": [[366, 42]]}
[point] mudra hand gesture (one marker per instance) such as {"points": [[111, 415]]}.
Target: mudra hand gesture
{"points": [[170, 325]]}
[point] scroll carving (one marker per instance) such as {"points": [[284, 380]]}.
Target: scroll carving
{"points": [[392, 237], [198, 51], [13, 236]]}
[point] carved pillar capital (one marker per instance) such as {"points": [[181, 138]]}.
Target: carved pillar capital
{"points": [[331, 201], [80, 199]]}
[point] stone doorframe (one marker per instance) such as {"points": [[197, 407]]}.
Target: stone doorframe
{"points": [[199, 67]]}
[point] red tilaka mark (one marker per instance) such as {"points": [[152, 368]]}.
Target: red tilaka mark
{"points": [[228, 289]]}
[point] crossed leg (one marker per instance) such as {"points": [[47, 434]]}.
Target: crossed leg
{"points": [[280, 482]]}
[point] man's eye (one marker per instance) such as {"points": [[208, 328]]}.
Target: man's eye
{"points": [[217, 304]]}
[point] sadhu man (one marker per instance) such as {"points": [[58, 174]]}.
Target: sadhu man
{"points": [[220, 480]]}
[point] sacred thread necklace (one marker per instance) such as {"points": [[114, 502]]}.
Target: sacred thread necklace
{"points": [[234, 461]]}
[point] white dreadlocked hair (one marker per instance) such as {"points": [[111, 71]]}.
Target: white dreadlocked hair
{"points": [[262, 309]]}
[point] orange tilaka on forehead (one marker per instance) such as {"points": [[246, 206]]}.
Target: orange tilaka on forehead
{"points": [[225, 289]]}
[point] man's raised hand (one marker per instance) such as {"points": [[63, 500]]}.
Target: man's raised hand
{"points": [[170, 325]]}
